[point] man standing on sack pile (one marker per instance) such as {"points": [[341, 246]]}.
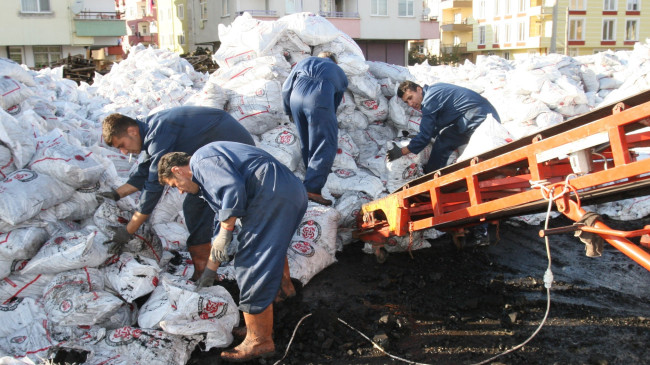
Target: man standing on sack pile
{"points": [[311, 94], [245, 182], [185, 129], [450, 114]]}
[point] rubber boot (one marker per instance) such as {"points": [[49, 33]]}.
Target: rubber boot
{"points": [[287, 290], [200, 255], [259, 338]]}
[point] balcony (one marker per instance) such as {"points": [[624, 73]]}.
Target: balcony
{"points": [[99, 24], [260, 13], [455, 4], [453, 48], [457, 26], [338, 14]]}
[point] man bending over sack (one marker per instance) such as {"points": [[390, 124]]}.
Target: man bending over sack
{"points": [[245, 182]]}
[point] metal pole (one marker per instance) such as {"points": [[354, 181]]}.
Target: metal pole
{"points": [[566, 33], [554, 29]]}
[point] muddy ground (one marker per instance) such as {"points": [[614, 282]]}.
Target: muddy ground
{"points": [[446, 306]]}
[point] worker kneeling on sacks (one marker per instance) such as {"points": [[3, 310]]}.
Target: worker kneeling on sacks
{"points": [[246, 183], [184, 129], [450, 114]]}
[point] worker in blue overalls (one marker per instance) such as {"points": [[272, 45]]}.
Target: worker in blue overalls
{"points": [[246, 183], [450, 114], [311, 94], [183, 129]]}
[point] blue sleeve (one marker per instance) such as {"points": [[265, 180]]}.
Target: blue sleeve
{"points": [[341, 85], [139, 176], [225, 185], [428, 130], [164, 142], [287, 88]]}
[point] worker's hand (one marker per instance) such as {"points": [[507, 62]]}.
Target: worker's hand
{"points": [[112, 195], [120, 238], [206, 279], [394, 153], [220, 243]]}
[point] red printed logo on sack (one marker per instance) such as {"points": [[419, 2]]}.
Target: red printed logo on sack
{"points": [[123, 336], [22, 176], [344, 173], [11, 306], [18, 339], [309, 230], [79, 158], [212, 309], [286, 138], [66, 306], [303, 248], [371, 104], [18, 265], [410, 171]]}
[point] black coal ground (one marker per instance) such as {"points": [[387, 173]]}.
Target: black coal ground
{"points": [[446, 306], [449, 306]]}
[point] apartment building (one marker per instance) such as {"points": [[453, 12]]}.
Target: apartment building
{"points": [[456, 29], [141, 23], [382, 28], [517, 28], [38, 33], [175, 25]]}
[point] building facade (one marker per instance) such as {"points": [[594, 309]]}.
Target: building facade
{"points": [[141, 23], [382, 28], [517, 28], [38, 33]]}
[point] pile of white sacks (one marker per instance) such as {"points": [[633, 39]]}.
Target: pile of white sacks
{"points": [[62, 289]]}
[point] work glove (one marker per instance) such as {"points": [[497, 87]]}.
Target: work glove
{"points": [[220, 243], [394, 153], [112, 195], [206, 279], [120, 238]]}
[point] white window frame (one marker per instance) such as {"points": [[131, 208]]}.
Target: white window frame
{"points": [[609, 5], [49, 52], [572, 37], [497, 7], [507, 32], [608, 32], [13, 51], [481, 9], [573, 52], [496, 33], [225, 8], [636, 29], [180, 11], [203, 7], [521, 6], [405, 8], [578, 4], [521, 31], [481, 34], [375, 4], [633, 5], [35, 6], [508, 7], [292, 6]]}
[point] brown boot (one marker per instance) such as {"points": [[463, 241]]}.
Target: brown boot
{"points": [[199, 255], [287, 290], [259, 338]]}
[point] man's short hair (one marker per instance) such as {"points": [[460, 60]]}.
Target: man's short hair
{"points": [[328, 54], [406, 85], [115, 126], [169, 160]]}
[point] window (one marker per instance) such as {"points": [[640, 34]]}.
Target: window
{"points": [[506, 55], [181, 38], [573, 52], [378, 7], [180, 10], [481, 35], [578, 4], [609, 5], [405, 8], [495, 33], [293, 6], [632, 5], [46, 55], [37, 6], [456, 40], [225, 9], [508, 7], [609, 29], [576, 29], [481, 9], [507, 30], [632, 30], [521, 6], [203, 5], [16, 54], [497, 7], [521, 31]]}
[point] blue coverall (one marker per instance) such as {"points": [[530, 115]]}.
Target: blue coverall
{"points": [[450, 113], [182, 129], [243, 181], [311, 94]]}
